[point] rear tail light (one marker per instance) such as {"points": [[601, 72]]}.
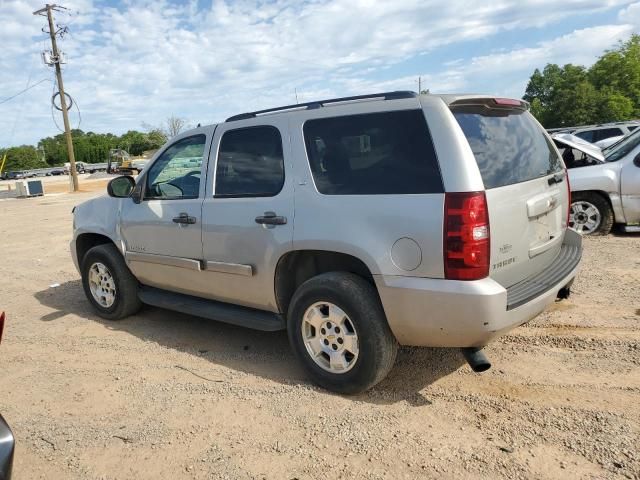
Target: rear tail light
{"points": [[1, 325], [466, 236]]}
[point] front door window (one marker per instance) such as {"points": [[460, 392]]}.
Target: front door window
{"points": [[176, 174]]}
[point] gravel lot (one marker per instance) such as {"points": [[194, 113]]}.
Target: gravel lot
{"points": [[165, 395]]}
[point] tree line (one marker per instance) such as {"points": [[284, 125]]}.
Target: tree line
{"points": [[89, 147], [573, 95]]}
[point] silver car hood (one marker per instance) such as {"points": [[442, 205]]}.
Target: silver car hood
{"points": [[579, 144]]}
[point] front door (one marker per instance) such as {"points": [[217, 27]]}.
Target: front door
{"points": [[163, 233], [247, 214]]}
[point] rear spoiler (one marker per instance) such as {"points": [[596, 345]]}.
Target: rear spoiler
{"points": [[489, 102]]}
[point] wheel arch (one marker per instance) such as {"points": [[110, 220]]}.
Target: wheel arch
{"points": [[297, 266], [88, 240]]}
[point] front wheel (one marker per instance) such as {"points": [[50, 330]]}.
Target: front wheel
{"points": [[108, 283], [590, 214], [338, 330]]}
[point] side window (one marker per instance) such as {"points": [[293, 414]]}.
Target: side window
{"points": [[631, 128], [176, 174], [250, 163], [586, 135], [606, 133], [371, 154]]}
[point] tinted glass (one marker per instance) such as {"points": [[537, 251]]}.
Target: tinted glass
{"points": [[176, 173], [250, 163], [509, 146], [632, 127], [379, 153], [605, 133], [586, 135], [623, 147]]}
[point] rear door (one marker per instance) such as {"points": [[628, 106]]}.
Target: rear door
{"points": [[247, 217], [525, 185]]}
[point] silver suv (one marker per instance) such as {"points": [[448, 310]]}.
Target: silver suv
{"points": [[356, 224]]}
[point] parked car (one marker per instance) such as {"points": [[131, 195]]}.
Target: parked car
{"points": [[605, 185], [57, 171], [16, 175], [7, 441], [596, 133], [356, 224]]}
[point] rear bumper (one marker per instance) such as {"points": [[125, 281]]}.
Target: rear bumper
{"points": [[447, 313]]}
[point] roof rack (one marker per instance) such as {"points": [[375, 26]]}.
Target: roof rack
{"points": [[319, 104]]}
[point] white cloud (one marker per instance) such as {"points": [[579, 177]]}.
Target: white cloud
{"points": [[143, 61], [581, 47], [631, 14]]}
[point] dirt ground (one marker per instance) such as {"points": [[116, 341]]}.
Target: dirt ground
{"points": [[166, 395]]}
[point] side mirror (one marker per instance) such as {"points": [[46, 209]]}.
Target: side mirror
{"points": [[121, 187], [636, 161]]}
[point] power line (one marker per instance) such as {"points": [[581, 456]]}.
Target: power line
{"points": [[23, 91]]}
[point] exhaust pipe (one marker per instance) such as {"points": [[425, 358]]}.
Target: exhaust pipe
{"points": [[476, 359]]}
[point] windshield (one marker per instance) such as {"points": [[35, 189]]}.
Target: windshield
{"points": [[623, 147]]}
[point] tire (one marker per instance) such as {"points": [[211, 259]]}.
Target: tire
{"points": [[124, 301], [591, 214], [358, 312]]}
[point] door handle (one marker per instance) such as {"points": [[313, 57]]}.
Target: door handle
{"points": [[184, 218], [270, 218]]}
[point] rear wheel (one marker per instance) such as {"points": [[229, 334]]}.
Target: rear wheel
{"points": [[590, 214], [109, 284], [338, 330]]}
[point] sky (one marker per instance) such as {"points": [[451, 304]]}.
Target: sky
{"points": [[132, 64]]}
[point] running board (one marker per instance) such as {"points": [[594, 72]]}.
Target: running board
{"points": [[212, 310], [631, 228]]}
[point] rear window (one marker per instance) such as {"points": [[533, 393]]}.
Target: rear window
{"points": [[509, 146], [372, 154]]}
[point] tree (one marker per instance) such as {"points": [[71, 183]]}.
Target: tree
{"points": [[614, 106], [573, 95], [21, 158], [174, 125], [619, 71], [563, 96]]}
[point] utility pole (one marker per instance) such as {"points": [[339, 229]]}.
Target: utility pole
{"points": [[419, 85], [63, 100]]}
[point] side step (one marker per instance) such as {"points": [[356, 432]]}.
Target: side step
{"points": [[631, 228], [222, 312]]}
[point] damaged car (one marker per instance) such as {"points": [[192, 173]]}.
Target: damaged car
{"points": [[605, 183]]}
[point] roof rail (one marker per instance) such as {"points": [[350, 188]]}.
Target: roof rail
{"points": [[321, 103]]}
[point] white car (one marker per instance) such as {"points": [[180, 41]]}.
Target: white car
{"points": [[605, 185]]}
